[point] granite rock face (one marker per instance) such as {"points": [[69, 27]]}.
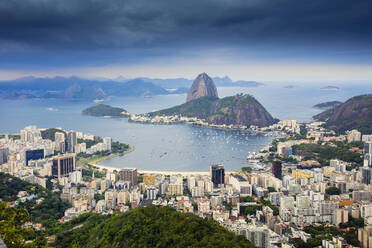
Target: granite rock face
{"points": [[355, 113], [202, 86]]}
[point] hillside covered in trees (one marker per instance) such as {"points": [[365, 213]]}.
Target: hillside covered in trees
{"points": [[355, 113], [236, 110], [149, 226]]}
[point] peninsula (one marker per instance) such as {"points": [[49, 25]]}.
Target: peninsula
{"points": [[327, 105], [204, 105]]}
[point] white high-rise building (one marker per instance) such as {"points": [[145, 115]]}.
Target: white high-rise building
{"points": [[151, 193], [354, 135], [59, 137], [30, 134], [107, 141], [76, 177], [71, 141]]}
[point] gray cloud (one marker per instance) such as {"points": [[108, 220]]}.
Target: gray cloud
{"points": [[113, 29]]}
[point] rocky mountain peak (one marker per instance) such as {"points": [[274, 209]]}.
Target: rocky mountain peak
{"points": [[203, 85]]}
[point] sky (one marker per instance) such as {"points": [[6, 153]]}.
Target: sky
{"points": [[263, 40]]}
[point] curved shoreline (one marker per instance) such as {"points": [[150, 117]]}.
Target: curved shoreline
{"points": [[94, 162], [183, 173]]}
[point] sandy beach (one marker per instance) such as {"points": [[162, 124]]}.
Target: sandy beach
{"points": [[183, 173]]}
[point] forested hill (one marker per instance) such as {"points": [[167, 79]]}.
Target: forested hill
{"points": [[149, 226], [327, 105], [237, 110], [355, 113], [104, 110]]}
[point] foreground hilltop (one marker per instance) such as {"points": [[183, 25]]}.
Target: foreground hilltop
{"points": [[149, 226], [355, 113], [202, 86], [233, 110]]}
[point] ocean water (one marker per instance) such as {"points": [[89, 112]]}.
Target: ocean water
{"points": [[174, 147]]}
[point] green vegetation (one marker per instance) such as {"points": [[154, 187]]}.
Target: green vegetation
{"points": [[251, 209], [327, 105], [117, 147], [101, 110], [318, 233], [355, 113], [11, 136], [50, 133], [88, 173], [98, 197], [240, 109], [149, 226], [47, 212], [271, 189], [247, 169], [332, 191], [247, 199], [196, 108], [268, 203], [324, 153], [353, 222], [13, 233], [89, 143]]}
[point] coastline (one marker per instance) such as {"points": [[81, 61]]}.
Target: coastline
{"points": [[94, 162], [183, 173]]}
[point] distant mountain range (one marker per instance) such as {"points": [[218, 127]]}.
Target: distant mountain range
{"points": [[100, 88], [75, 88], [355, 113]]}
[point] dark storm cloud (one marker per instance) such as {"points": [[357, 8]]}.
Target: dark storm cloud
{"points": [[112, 28]]}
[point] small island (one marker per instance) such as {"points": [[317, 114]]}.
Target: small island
{"points": [[103, 110], [327, 105], [332, 88]]}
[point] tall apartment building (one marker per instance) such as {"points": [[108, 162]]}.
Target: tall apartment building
{"points": [[217, 173], [354, 135], [64, 164], [129, 175], [107, 141], [151, 193], [365, 237], [71, 141], [4, 153], [277, 169]]}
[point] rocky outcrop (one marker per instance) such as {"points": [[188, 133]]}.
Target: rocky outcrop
{"points": [[202, 86], [355, 113], [233, 110]]}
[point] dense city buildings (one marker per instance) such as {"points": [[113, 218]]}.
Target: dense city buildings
{"points": [[274, 201]]}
